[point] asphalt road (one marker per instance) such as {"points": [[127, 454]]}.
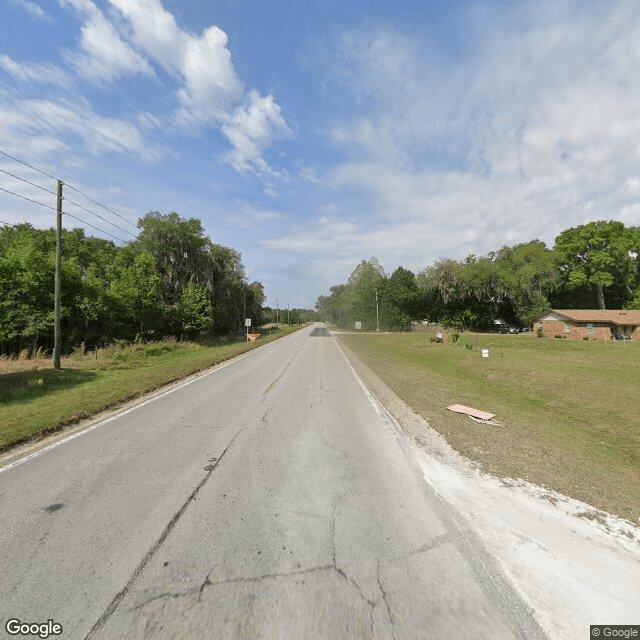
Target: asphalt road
{"points": [[270, 498]]}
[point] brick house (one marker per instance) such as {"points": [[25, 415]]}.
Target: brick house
{"points": [[598, 324]]}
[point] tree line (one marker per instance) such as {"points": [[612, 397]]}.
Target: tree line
{"points": [[595, 265], [172, 280]]}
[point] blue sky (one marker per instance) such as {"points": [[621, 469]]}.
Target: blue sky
{"points": [[310, 135]]}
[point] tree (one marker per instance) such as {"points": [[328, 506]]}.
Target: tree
{"points": [[26, 286], [400, 298], [181, 251], [136, 295], [525, 275], [364, 287], [598, 256], [121, 292], [194, 310], [334, 308]]}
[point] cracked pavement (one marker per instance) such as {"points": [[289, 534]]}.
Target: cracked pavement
{"points": [[290, 508]]}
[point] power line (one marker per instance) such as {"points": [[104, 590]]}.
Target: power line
{"points": [[4, 153], [98, 216], [67, 214], [115, 213], [25, 198], [96, 228], [33, 184]]}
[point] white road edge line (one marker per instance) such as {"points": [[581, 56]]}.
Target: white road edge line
{"points": [[384, 415], [35, 454]]}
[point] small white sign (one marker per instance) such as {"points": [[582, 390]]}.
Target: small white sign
{"points": [[358, 326], [247, 322], [485, 353]]}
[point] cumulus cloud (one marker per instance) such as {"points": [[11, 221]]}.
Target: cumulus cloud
{"points": [[139, 37], [105, 56], [202, 63], [210, 91], [250, 129]]}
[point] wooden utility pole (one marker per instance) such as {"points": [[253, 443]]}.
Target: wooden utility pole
{"points": [[58, 287]]}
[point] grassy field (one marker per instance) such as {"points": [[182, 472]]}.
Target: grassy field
{"points": [[36, 399], [570, 409]]}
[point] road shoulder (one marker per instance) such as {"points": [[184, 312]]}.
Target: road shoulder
{"points": [[572, 564]]}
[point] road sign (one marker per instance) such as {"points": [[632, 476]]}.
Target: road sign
{"points": [[247, 322]]}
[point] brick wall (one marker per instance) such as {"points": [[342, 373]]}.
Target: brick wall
{"points": [[553, 328]]}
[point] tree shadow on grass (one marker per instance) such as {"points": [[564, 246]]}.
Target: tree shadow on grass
{"points": [[24, 386]]}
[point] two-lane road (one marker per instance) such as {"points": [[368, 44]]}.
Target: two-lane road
{"points": [[270, 498]]}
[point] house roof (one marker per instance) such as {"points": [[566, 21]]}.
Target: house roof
{"points": [[617, 316]]}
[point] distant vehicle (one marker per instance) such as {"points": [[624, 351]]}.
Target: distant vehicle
{"points": [[505, 328], [621, 336]]}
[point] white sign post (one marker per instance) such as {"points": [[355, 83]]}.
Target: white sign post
{"points": [[247, 323]]}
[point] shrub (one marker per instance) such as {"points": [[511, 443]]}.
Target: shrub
{"points": [[78, 352], [455, 336]]}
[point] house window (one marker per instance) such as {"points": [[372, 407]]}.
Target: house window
{"points": [[567, 327], [590, 326]]}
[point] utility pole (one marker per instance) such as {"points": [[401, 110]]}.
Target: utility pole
{"points": [[58, 287], [377, 314]]}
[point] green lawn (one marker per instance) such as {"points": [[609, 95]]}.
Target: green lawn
{"points": [[570, 409], [36, 399]]}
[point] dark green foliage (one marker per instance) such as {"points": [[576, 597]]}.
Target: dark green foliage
{"points": [[598, 263], [588, 265], [396, 297], [171, 280]]}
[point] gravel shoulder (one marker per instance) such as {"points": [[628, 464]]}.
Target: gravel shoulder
{"points": [[573, 564]]}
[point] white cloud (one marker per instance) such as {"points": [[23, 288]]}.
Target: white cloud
{"points": [[252, 128], [49, 125], [248, 216], [34, 72], [202, 63], [210, 91], [34, 9], [536, 129], [105, 55]]}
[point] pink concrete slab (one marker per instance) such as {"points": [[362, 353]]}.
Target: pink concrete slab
{"points": [[476, 413]]}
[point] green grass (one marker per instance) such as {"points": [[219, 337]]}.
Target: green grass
{"points": [[570, 409], [36, 399]]}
